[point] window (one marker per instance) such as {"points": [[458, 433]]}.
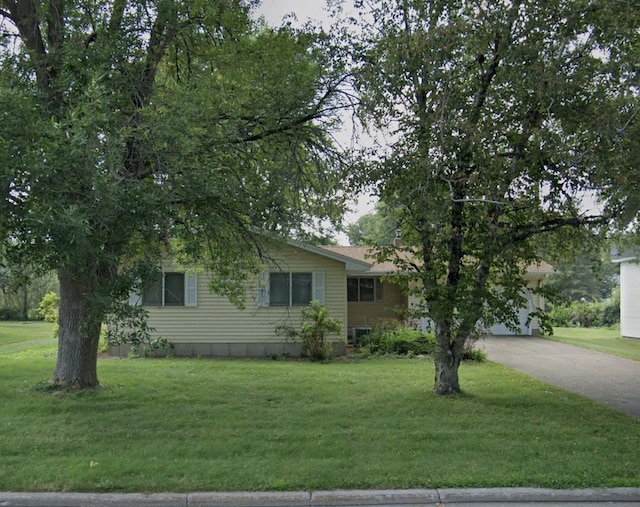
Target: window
{"points": [[364, 289], [290, 289], [171, 289]]}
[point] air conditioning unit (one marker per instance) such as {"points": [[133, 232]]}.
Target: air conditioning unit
{"points": [[356, 334]]}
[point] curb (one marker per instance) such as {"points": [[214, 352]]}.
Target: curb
{"points": [[339, 498], [526, 495]]}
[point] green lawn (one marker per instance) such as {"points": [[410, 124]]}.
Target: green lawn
{"points": [[16, 336], [602, 339], [198, 425]]}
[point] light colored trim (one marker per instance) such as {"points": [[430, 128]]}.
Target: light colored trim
{"points": [[190, 289], [624, 259], [318, 286], [263, 289]]}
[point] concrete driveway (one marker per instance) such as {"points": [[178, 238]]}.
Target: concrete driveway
{"points": [[611, 380]]}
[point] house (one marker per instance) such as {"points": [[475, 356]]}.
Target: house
{"points": [[370, 299], [629, 295], [350, 284], [183, 310], [383, 297]]}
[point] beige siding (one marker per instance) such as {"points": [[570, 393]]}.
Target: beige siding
{"points": [[368, 314], [216, 320]]}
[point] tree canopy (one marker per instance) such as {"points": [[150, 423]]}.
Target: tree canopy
{"points": [[134, 128], [587, 277], [378, 228], [502, 115]]}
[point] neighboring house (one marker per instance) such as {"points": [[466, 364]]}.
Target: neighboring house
{"points": [[183, 310], [629, 296]]}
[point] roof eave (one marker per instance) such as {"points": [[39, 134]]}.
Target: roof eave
{"points": [[351, 264]]}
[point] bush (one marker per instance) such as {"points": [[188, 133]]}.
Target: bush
{"points": [[48, 309], [471, 353], [583, 314], [317, 326], [392, 338], [9, 314]]}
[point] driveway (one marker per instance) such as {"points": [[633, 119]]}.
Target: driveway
{"points": [[611, 380]]}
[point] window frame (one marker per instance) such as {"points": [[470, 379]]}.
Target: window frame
{"points": [[289, 277], [188, 298], [378, 289], [315, 281]]}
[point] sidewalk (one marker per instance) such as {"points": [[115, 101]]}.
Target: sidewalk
{"points": [[621, 497]]}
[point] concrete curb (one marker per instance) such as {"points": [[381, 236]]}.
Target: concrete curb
{"points": [[375, 497], [525, 495], [413, 497]]}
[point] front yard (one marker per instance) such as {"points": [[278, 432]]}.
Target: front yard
{"points": [[199, 425]]}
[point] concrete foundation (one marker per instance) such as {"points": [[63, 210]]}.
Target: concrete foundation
{"points": [[262, 349]]}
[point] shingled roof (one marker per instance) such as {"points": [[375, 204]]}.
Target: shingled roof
{"points": [[363, 254]]}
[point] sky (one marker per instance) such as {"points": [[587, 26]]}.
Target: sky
{"points": [[275, 10]]}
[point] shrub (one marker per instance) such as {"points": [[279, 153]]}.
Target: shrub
{"points": [[583, 314], [472, 353], [9, 314], [392, 338], [48, 309], [317, 326]]}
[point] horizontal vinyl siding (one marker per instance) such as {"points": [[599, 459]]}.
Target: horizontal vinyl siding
{"points": [[216, 320], [630, 299], [368, 314]]}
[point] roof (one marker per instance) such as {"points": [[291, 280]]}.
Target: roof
{"points": [[351, 263], [543, 268], [625, 256], [364, 253]]}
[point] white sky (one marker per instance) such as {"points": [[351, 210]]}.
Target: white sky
{"points": [[275, 10]]}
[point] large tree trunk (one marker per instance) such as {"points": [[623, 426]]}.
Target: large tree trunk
{"points": [[447, 360], [79, 335]]}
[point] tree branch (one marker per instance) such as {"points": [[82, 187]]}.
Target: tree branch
{"points": [[315, 113], [55, 24], [528, 231], [24, 14], [117, 15]]}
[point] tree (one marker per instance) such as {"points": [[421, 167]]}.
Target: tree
{"points": [[502, 114], [131, 129], [22, 289], [377, 228], [585, 277]]}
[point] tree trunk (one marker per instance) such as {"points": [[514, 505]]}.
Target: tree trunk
{"points": [[79, 335], [447, 360], [25, 303]]}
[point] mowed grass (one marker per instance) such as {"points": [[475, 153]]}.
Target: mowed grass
{"points": [[601, 339], [23, 335], [204, 425]]}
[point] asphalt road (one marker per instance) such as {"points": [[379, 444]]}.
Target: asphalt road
{"points": [[611, 380]]}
